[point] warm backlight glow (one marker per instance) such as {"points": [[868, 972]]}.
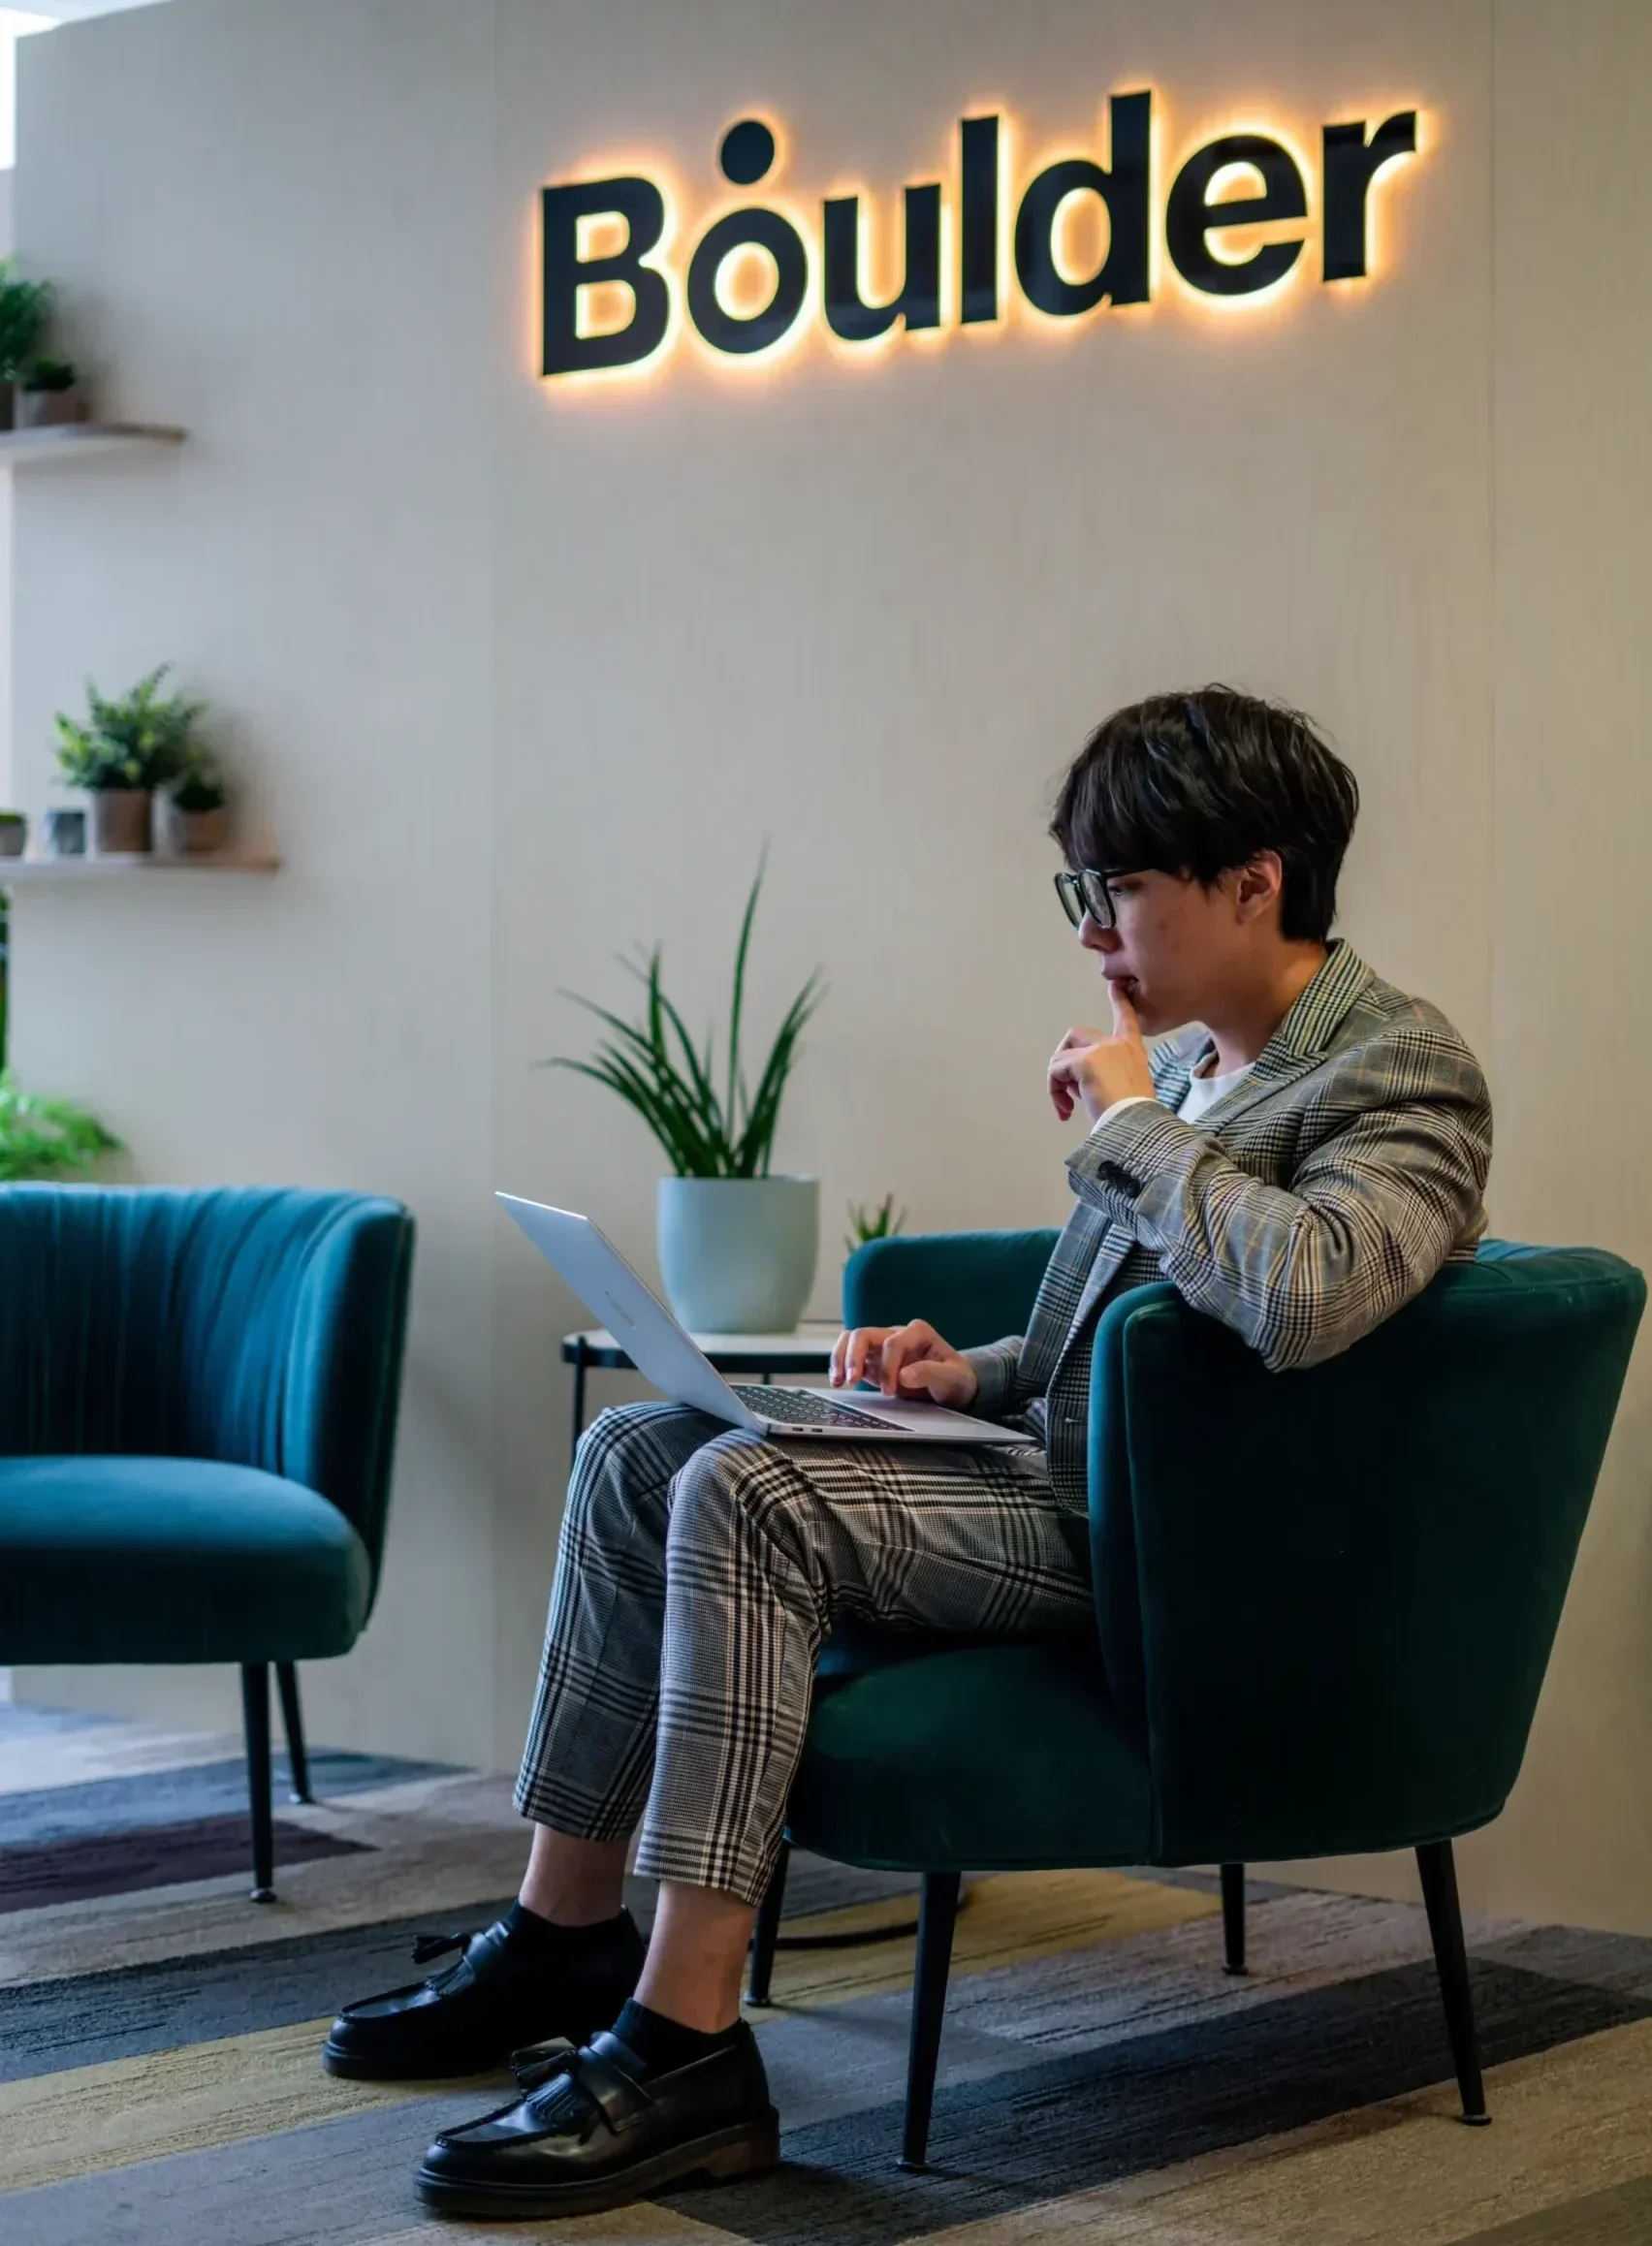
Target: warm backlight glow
{"points": [[1079, 237], [747, 281], [1228, 217]]}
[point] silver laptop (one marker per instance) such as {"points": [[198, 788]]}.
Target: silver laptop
{"points": [[668, 1356]]}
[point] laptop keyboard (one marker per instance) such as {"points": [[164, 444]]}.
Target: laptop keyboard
{"points": [[802, 1408]]}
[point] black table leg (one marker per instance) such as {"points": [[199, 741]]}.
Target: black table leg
{"points": [[579, 1401], [255, 1716], [293, 1723]]}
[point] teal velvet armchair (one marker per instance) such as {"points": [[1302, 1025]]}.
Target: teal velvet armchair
{"points": [[198, 1404], [1324, 1603]]}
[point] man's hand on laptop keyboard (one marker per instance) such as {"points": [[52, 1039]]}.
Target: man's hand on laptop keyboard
{"points": [[910, 1360]]}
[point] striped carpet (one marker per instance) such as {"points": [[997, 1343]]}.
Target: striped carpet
{"points": [[1101, 2078]]}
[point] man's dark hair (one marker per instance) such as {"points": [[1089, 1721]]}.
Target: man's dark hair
{"points": [[1199, 782]]}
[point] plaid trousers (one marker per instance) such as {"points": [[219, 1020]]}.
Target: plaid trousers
{"points": [[702, 1569]]}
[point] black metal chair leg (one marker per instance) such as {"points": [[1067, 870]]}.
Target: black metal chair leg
{"points": [[293, 1724], [937, 1914], [255, 1713], [1233, 1916], [766, 1933], [1434, 1861]]}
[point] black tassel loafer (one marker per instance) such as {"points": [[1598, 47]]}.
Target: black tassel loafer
{"points": [[592, 2131], [469, 2019]]}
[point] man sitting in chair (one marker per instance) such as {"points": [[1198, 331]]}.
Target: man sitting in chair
{"points": [[1298, 1166]]}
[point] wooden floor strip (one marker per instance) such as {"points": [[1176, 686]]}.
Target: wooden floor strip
{"points": [[1007, 1917], [1566, 2125], [114, 1750], [437, 1844], [88, 2118], [1620, 2217], [644, 2226]]}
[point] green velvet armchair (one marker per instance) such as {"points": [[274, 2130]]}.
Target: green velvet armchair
{"points": [[198, 1402], [1325, 1603]]}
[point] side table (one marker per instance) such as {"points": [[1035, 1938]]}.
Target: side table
{"points": [[808, 1349]]}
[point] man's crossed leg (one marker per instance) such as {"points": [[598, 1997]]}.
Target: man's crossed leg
{"points": [[700, 1571]]}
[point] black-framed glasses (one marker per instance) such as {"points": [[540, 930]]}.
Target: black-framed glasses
{"points": [[1088, 891]]}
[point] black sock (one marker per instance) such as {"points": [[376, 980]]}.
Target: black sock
{"points": [[538, 1940], [662, 2044]]}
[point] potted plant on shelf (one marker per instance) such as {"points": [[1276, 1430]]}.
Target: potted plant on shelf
{"points": [[48, 394], [24, 310], [122, 753], [199, 808], [737, 1244]]}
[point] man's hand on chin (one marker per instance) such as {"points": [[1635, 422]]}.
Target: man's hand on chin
{"points": [[1092, 1069]]}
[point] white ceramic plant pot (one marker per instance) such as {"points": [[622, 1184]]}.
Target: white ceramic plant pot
{"points": [[737, 1255]]}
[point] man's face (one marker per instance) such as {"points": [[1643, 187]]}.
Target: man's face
{"points": [[1176, 947]]}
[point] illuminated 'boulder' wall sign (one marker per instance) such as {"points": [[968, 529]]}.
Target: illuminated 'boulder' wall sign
{"points": [[759, 275]]}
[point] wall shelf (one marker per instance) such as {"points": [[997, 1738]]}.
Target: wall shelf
{"points": [[117, 862], [74, 440]]}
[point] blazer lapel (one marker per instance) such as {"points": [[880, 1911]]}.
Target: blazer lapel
{"points": [[1115, 1244], [1301, 1040]]}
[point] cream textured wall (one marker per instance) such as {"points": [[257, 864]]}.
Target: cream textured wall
{"points": [[519, 679], [6, 546]]}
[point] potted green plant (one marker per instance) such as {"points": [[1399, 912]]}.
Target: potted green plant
{"points": [[737, 1242], [45, 1138], [24, 310], [40, 1138], [48, 394], [124, 751], [882, 1224], [199, 808]]}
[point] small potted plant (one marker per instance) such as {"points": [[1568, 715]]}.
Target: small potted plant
{"points": [[199, 806], [24, 310], [122, 753], [49, 395], [13, 834], [736, 1245]]}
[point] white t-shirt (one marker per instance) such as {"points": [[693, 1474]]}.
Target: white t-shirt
{"points": [[1205, 1091], [1202, 1091]]}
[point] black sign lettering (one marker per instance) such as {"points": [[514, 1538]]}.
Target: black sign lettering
{"points": [[978, 219], [640, 204], [1190, 217], [1125, 189], [977, 198], [737, 332], [1351, 163], [918, 304]]}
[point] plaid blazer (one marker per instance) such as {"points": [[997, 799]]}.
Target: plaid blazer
{"points": [[1302, 1208]]}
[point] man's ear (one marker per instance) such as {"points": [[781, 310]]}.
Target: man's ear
{"points": [[1261, 879]]}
